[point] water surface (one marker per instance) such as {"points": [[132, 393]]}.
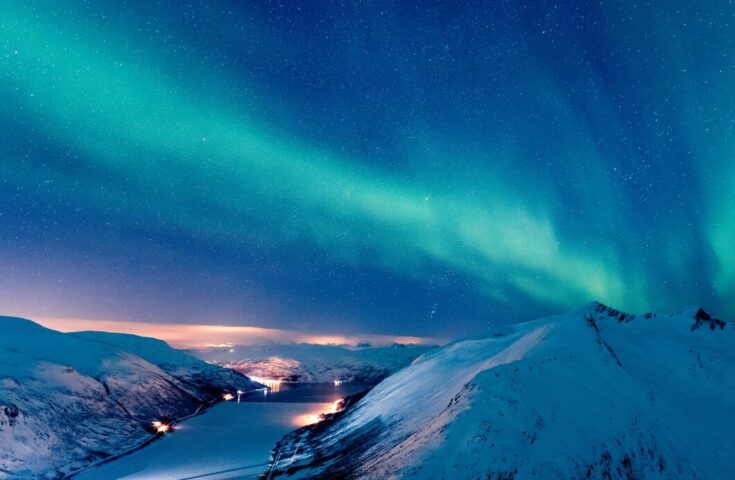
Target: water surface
{"points": [[232, 440], [306, 392]]}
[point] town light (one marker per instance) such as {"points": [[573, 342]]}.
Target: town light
{"points": [[161, 427], [313, 418], [335, 407]]}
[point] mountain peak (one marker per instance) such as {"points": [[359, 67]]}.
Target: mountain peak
{"points": [[540, 398], [599, 309], [702, 318]]}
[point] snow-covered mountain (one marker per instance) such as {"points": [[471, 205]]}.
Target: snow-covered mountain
{"points": [[592, 394], [311, 363], [69, 399]]}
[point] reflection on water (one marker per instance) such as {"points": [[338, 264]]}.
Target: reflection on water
{"points": [[307, 392], [273, 384], [238, 440], [239, 436]]}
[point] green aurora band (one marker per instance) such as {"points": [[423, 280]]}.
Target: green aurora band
{"points": [[157, 149]]}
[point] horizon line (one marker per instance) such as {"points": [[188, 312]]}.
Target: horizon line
{"points": [[193, 336]]}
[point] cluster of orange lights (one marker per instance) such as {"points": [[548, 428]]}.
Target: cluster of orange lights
{"points": [[335, 407], [161, 427], [313, 418], [300, 420]]}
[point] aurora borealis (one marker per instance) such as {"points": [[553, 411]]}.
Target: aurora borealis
{"points": [[408, 168]]}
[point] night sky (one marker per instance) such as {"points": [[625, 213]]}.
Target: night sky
{"points": [[417, 168]]}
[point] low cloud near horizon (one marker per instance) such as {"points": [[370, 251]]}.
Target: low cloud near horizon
{"points": [[201, 336]]}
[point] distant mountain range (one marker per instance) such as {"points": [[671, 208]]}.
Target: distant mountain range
{"points": [[70, 399], [310, 363], [592, 394]]}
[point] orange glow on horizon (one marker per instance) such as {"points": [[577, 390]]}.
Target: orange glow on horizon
{"points": [[182, 335]]}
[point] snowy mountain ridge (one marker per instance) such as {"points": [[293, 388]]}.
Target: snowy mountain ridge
{"points": [[595, 393], [313, 363], [69, 399]]}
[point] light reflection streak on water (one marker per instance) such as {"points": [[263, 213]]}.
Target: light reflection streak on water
{"points": [[273, 384]]}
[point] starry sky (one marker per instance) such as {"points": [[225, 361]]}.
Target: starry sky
{"points": [[407, 168]]}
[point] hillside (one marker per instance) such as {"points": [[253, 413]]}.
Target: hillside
{"points": [[69, 399], [592, 394], [311, 363]]}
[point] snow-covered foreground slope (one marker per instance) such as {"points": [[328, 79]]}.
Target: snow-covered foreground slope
{"points": [[310, 363], [69, 399], [237, 436], [593, 394]]}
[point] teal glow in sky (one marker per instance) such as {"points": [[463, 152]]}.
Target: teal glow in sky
{"points": [[404, 168]]}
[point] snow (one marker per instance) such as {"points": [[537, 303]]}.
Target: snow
{"points": [[69, 399], [312, 363], [594, 393], [230, 441]]}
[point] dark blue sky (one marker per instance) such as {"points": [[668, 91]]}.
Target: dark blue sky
{"points": [[404, 168]]}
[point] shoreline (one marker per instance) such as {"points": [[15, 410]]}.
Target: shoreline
{"points": [[201, 409]]}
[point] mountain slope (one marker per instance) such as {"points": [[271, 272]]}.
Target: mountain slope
{"points": [[310, 363], [594, 393], [68, 399]]}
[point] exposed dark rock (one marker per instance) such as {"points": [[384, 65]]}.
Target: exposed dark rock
{"points": [[11, 412], [620, 316], [702, 318]]}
